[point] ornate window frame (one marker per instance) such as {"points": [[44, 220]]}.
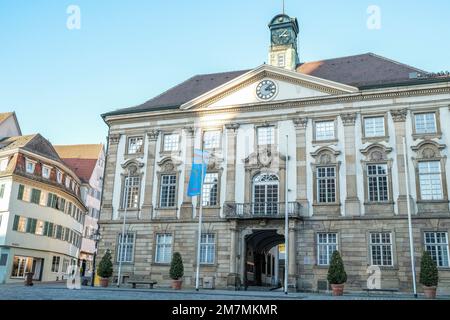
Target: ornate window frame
{"points": [[134, 169], [326, 157], [167, 166], [386, 127], [437, 134], [214, 166], [377, 154], [429, 150]]}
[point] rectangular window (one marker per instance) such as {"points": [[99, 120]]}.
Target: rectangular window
{"points": [[131, 192], [30, 167], [31, 225], [135, 145], [59, 232], [40, 228], [281, 60], [52, 200], [325, 130], [125, 248], [168, 189], [163, 248], [207, 248], [210, 189], [430, 180], [19, 224], [55, 263], [21, 265], [326, 184], [425, 123], [171, 142], [46, 172], [59, 176], [2, 191], [436, 243], [377, 179], [35, 196], [374, 127], [381, 249], [65, 265], [266, 136], [326, 245], [211, 140], [3, 164], [21, 191]]}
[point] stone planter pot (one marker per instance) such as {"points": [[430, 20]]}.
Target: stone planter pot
{"points": [[176, 284], [430, 292], [104, 282], [338, 289]]}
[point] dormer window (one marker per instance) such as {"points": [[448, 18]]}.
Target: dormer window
{"points": [[46, 172], [59, 176], [67, 182], [3, 164], [30, 166]]}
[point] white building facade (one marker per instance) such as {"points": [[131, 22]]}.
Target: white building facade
{"points": [[327, 141]]}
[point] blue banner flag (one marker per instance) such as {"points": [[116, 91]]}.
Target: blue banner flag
{"points": [[199, 165]]}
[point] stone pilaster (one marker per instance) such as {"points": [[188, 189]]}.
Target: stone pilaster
{"points": [[300, 133], [110, 173], [233, 279], [399, 117], [231, 162], [147, 208], [352, 203], [186, 211], [292, 267]]}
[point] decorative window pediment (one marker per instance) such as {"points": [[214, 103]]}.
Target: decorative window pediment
{"points": [[376, 152], [325, 156], [265, 158], [168, 164], [132, 167], [428, 149]]}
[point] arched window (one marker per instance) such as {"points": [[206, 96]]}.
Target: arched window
{"points": [[265, 194]]}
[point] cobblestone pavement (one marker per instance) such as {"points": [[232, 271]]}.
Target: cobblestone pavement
{"points": [[60, 292]]}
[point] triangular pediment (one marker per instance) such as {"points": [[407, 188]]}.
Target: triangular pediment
{"points": [[289, 85]]}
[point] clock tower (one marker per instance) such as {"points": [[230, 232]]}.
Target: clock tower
{"points": [[283, 42]]}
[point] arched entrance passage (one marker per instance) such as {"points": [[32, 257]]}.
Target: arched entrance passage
{"points": [[263, 265]]}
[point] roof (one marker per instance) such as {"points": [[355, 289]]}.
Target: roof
{"points": [[83, 168], [34, 143], [5, 115], [79, 151], [359, 70]]}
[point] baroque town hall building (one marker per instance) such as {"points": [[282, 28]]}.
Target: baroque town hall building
{"points": [[328, 136]]}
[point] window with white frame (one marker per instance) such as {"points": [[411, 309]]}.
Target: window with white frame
{"points": [[374, 127], [168, 189], [3, 164], [55, 263], [265, 136], [381, 249], [326, 245], [425, 123], [40, 228], [210, 189], [21, 266], [19, 224], [207, 248], [211, 139], [135, 145], [67, 182], [125, 248], [46, 172], [59, 176], [131, 192], [326, 184], [436, 243], [163, 248], [430, 180], [30, 166], [171, 142], [325, 130], [377, 180]]}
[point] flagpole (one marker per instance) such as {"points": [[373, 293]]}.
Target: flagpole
{"points": [[121, 238], [286, 223], [408, 205], [199, 239]]}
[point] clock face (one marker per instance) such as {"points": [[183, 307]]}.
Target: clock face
{"points": [[281, 36], [266, 89]]}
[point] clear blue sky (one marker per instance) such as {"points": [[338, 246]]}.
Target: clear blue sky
{"points": [[59, 81]]}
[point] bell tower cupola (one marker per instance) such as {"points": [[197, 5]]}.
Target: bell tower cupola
{"points": [[283, 42]]}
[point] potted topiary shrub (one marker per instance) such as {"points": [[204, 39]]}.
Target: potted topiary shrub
{"points": [[105, 269], [176, 271], [428, 275], [336, 274]]}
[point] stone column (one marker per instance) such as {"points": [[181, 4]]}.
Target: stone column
{"points": [[352, 203], [106, 212], [292, 266], [147, 208], [300, 132], [233, 277], [186, 211], [399, 117], [231, 162]]}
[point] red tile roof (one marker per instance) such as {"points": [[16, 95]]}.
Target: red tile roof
{"points": [[83, 168]]}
